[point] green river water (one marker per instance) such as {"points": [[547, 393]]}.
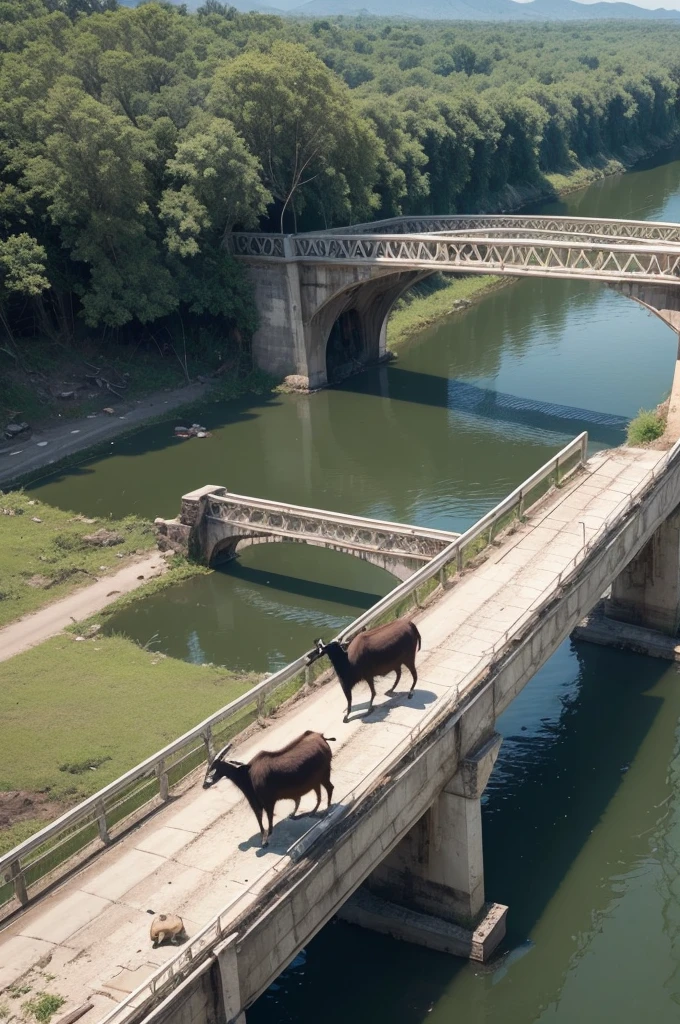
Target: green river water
{"points": [[581, 817]]}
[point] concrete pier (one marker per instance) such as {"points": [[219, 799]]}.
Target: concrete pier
{"points": [[437, 871], [647, 592]]}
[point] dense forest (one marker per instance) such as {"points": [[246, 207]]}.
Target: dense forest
{"points": [[132, 141]]}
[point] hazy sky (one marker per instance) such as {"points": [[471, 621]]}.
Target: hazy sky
{"points": [[669, 5]]}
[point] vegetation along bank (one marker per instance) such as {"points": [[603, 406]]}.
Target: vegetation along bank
{"points": [[120, 260]]}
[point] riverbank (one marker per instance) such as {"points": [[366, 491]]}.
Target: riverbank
{"points": [[415, 311], [99, 706]]}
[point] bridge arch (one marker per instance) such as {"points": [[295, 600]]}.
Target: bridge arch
{"points": [[228, 548], [347, 331], [305, 283]]}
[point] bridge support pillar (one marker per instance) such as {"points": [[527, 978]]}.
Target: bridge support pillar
{"points": [[647, 592], [430, 889]]}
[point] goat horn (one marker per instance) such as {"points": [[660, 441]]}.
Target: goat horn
{"points": [[218, 757]]}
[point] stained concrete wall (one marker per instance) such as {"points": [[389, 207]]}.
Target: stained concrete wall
{"points": [[298, 303]]}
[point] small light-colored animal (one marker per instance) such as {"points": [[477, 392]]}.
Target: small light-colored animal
{"points": [[375, 652], [166, 926], [287, 774]]}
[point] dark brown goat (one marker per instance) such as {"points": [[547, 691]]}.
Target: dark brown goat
{"points": [[272, 775], [376, 652]]}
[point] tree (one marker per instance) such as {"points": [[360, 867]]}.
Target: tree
{"points": [[91, 176], [304, 127], [219, 186]]}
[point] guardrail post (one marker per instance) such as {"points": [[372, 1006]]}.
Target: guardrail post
{"points": [[101, 823], [209, 749], [16, 876], [520, 507], [442, 578], [557, 471], [163, 786], [260, 706], [459, 560], [308, 676]]}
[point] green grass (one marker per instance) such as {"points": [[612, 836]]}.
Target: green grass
{"points": [[416, 311], [105, 703], [43, 1006], [40, 562], [647, 426]]}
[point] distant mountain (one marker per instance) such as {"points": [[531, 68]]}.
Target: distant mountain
{"points": [[484, 10], [453, 10]]}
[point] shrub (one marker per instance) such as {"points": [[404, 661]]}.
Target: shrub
{"points": [[645, 427]]}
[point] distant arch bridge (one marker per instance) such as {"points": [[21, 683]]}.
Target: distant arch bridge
{"points": [[324, 296]]}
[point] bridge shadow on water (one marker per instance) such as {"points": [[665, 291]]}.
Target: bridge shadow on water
{"points": [[315, 589], [458, 396], [549, 791]]}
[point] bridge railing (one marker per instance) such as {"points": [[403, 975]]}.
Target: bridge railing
{"points": [[94, 823]]}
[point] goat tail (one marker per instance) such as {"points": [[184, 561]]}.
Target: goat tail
{"points": [[329, 739], [418, 636]]}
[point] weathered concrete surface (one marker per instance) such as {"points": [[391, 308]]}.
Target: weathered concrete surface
{"points": [[482, 641], [596, 628], [647, 592], [367, 910], [438, 867], [298, 304]]}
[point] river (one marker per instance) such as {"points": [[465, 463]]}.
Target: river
{"points": [[581, 817]]}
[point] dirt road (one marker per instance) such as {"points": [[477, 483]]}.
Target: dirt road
{"points": [[38, 626]]}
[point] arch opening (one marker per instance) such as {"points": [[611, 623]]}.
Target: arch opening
{"points": [[345, 347]]}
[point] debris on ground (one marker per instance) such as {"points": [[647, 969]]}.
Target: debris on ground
{"points": [[195, 430], [103, 538], [109, 410], [13, 430]]}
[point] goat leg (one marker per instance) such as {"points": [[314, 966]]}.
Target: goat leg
{"points": [[412, 670], [348, 695], [317, 790], [395, 684], [370, 703], [329, 787], [295, 809]]}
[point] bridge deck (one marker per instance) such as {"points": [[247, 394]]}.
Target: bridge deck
{"points": [[202, 850]]}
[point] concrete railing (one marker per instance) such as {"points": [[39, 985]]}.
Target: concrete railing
{"points": [[98, 820], [195, 955]]}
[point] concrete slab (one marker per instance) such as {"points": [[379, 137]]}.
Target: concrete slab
{"points": [[120, 876], [19, 954], [66, 917], [165, 841]]}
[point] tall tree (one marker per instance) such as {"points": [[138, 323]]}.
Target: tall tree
{"points": [[302, 123]]}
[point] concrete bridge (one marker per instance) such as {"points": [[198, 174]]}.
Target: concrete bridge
{"points": [[324, 297], [401, 850], [214, 524]]}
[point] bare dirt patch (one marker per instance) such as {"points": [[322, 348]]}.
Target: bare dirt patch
{"points": [[20, 805]]}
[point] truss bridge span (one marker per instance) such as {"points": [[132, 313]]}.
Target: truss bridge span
{"points": [[324, 297]]}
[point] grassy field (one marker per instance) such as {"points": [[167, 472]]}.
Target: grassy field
{"points": [[77, 714], [42, 561], [417, 311]]}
